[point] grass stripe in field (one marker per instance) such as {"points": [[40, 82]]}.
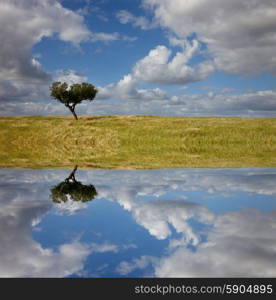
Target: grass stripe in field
{"points": [[137, 142]]}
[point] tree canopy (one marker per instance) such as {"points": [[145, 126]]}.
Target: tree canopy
{"points": [[72, 95], [75, 191], [72, 189]]}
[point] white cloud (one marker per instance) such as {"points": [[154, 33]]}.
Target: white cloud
{"points": [[126, 89], [25, 23], [105, 37], [106, 247], [241, 244], [238, 243], [163, 217], [212, 102], [125, 268], [155, 182], [22, 208], [133, 100], [158, 102], [70, 207], [126, 17], [70, 76], [20, 255], [240, 35], [90, 9], [159, 216], [158, 66]]}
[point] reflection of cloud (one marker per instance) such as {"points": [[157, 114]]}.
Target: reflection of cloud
{"points": [[125, 268], [106, 247], [158, 182], [158, 216], [70, 207], [239, 243], [21, 208], [242, 244], [21, 256], [125, 17]]}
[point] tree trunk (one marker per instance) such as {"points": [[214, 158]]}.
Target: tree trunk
{"points": [[72, 175], [73, 112]]}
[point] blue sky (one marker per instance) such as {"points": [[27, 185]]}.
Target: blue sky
{"points": [[169, 57]]}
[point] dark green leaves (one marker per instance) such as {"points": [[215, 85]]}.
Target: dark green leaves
{"points": [[75, 191], [74, 94]]}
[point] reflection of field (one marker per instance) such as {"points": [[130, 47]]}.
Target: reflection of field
{"points": [[137, 142]]}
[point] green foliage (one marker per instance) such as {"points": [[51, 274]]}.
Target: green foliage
{"points": [[74, 94], [75, 190]]}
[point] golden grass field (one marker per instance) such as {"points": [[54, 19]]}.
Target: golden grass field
{"points": [[137, 142]]}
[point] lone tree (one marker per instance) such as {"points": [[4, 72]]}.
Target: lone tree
{"points": [[72, 189], [73, 95]]}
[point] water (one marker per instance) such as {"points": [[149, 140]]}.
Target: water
{"points": [[160, 223]]}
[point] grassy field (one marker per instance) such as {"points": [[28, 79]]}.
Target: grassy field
{"points": [[137, 142]]}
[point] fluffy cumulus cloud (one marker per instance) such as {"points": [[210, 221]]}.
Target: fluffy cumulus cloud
{"points": [[127, 89], [158, 66], [240, 35], [23, 24], [234, 44]]}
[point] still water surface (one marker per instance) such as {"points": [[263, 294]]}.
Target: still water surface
{"points": [[157, 223]]}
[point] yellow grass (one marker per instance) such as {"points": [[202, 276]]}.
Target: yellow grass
{"points": [[137, 142]]}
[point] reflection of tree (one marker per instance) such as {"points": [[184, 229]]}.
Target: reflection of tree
{"points": [[72, 189]]}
